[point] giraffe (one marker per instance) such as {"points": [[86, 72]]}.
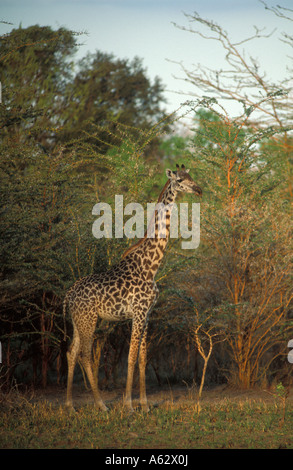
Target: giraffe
{"points": [[126, 291]]}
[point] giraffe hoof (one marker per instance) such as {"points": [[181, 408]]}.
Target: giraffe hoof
{"points": [[129, 408], [127, 405], [69, 408], [101, 406], [145, 408]]}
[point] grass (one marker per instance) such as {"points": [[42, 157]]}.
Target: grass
{"points": [[248, 425]]}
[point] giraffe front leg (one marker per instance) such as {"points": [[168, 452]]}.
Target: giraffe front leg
{"points": [[131, 364], [142, 365], [143, 354], [136, 332]]}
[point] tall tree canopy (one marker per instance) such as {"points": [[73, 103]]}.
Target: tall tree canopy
{"points": [[109, 88], [49, 94], [35, 67]]}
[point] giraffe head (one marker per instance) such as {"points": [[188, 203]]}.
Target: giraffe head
{"points": [[181, 181]]}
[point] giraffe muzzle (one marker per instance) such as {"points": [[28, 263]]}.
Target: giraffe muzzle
{"points": [[197, 190]]}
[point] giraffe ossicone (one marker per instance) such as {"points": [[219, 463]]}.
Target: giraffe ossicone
{"points": [[126, 291]]}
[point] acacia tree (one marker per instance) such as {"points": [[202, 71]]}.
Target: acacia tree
{"points": [[243, 164], [241, 272], [245, 258], [245, 82]]}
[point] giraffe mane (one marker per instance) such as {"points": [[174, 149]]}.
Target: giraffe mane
{"points": [[137, 244]]}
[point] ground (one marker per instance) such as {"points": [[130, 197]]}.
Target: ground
{"points": [[177, 395], [225, 418]]}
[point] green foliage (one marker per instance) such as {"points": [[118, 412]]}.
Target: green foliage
{"points": [[35, 67], [105, 87]]}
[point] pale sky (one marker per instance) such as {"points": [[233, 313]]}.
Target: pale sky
{"points": [[143, 28]]}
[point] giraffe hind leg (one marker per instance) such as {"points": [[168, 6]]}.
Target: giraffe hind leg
{"points": [[72, 355], [86, 349]]}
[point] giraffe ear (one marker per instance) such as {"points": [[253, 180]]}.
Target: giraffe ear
{"points": [[170, 174], [187, 171]]}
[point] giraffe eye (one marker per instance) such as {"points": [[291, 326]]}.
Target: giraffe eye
{"points": [[179, 180]]}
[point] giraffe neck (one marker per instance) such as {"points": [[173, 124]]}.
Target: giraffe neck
{"points": [[149, 251]]}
